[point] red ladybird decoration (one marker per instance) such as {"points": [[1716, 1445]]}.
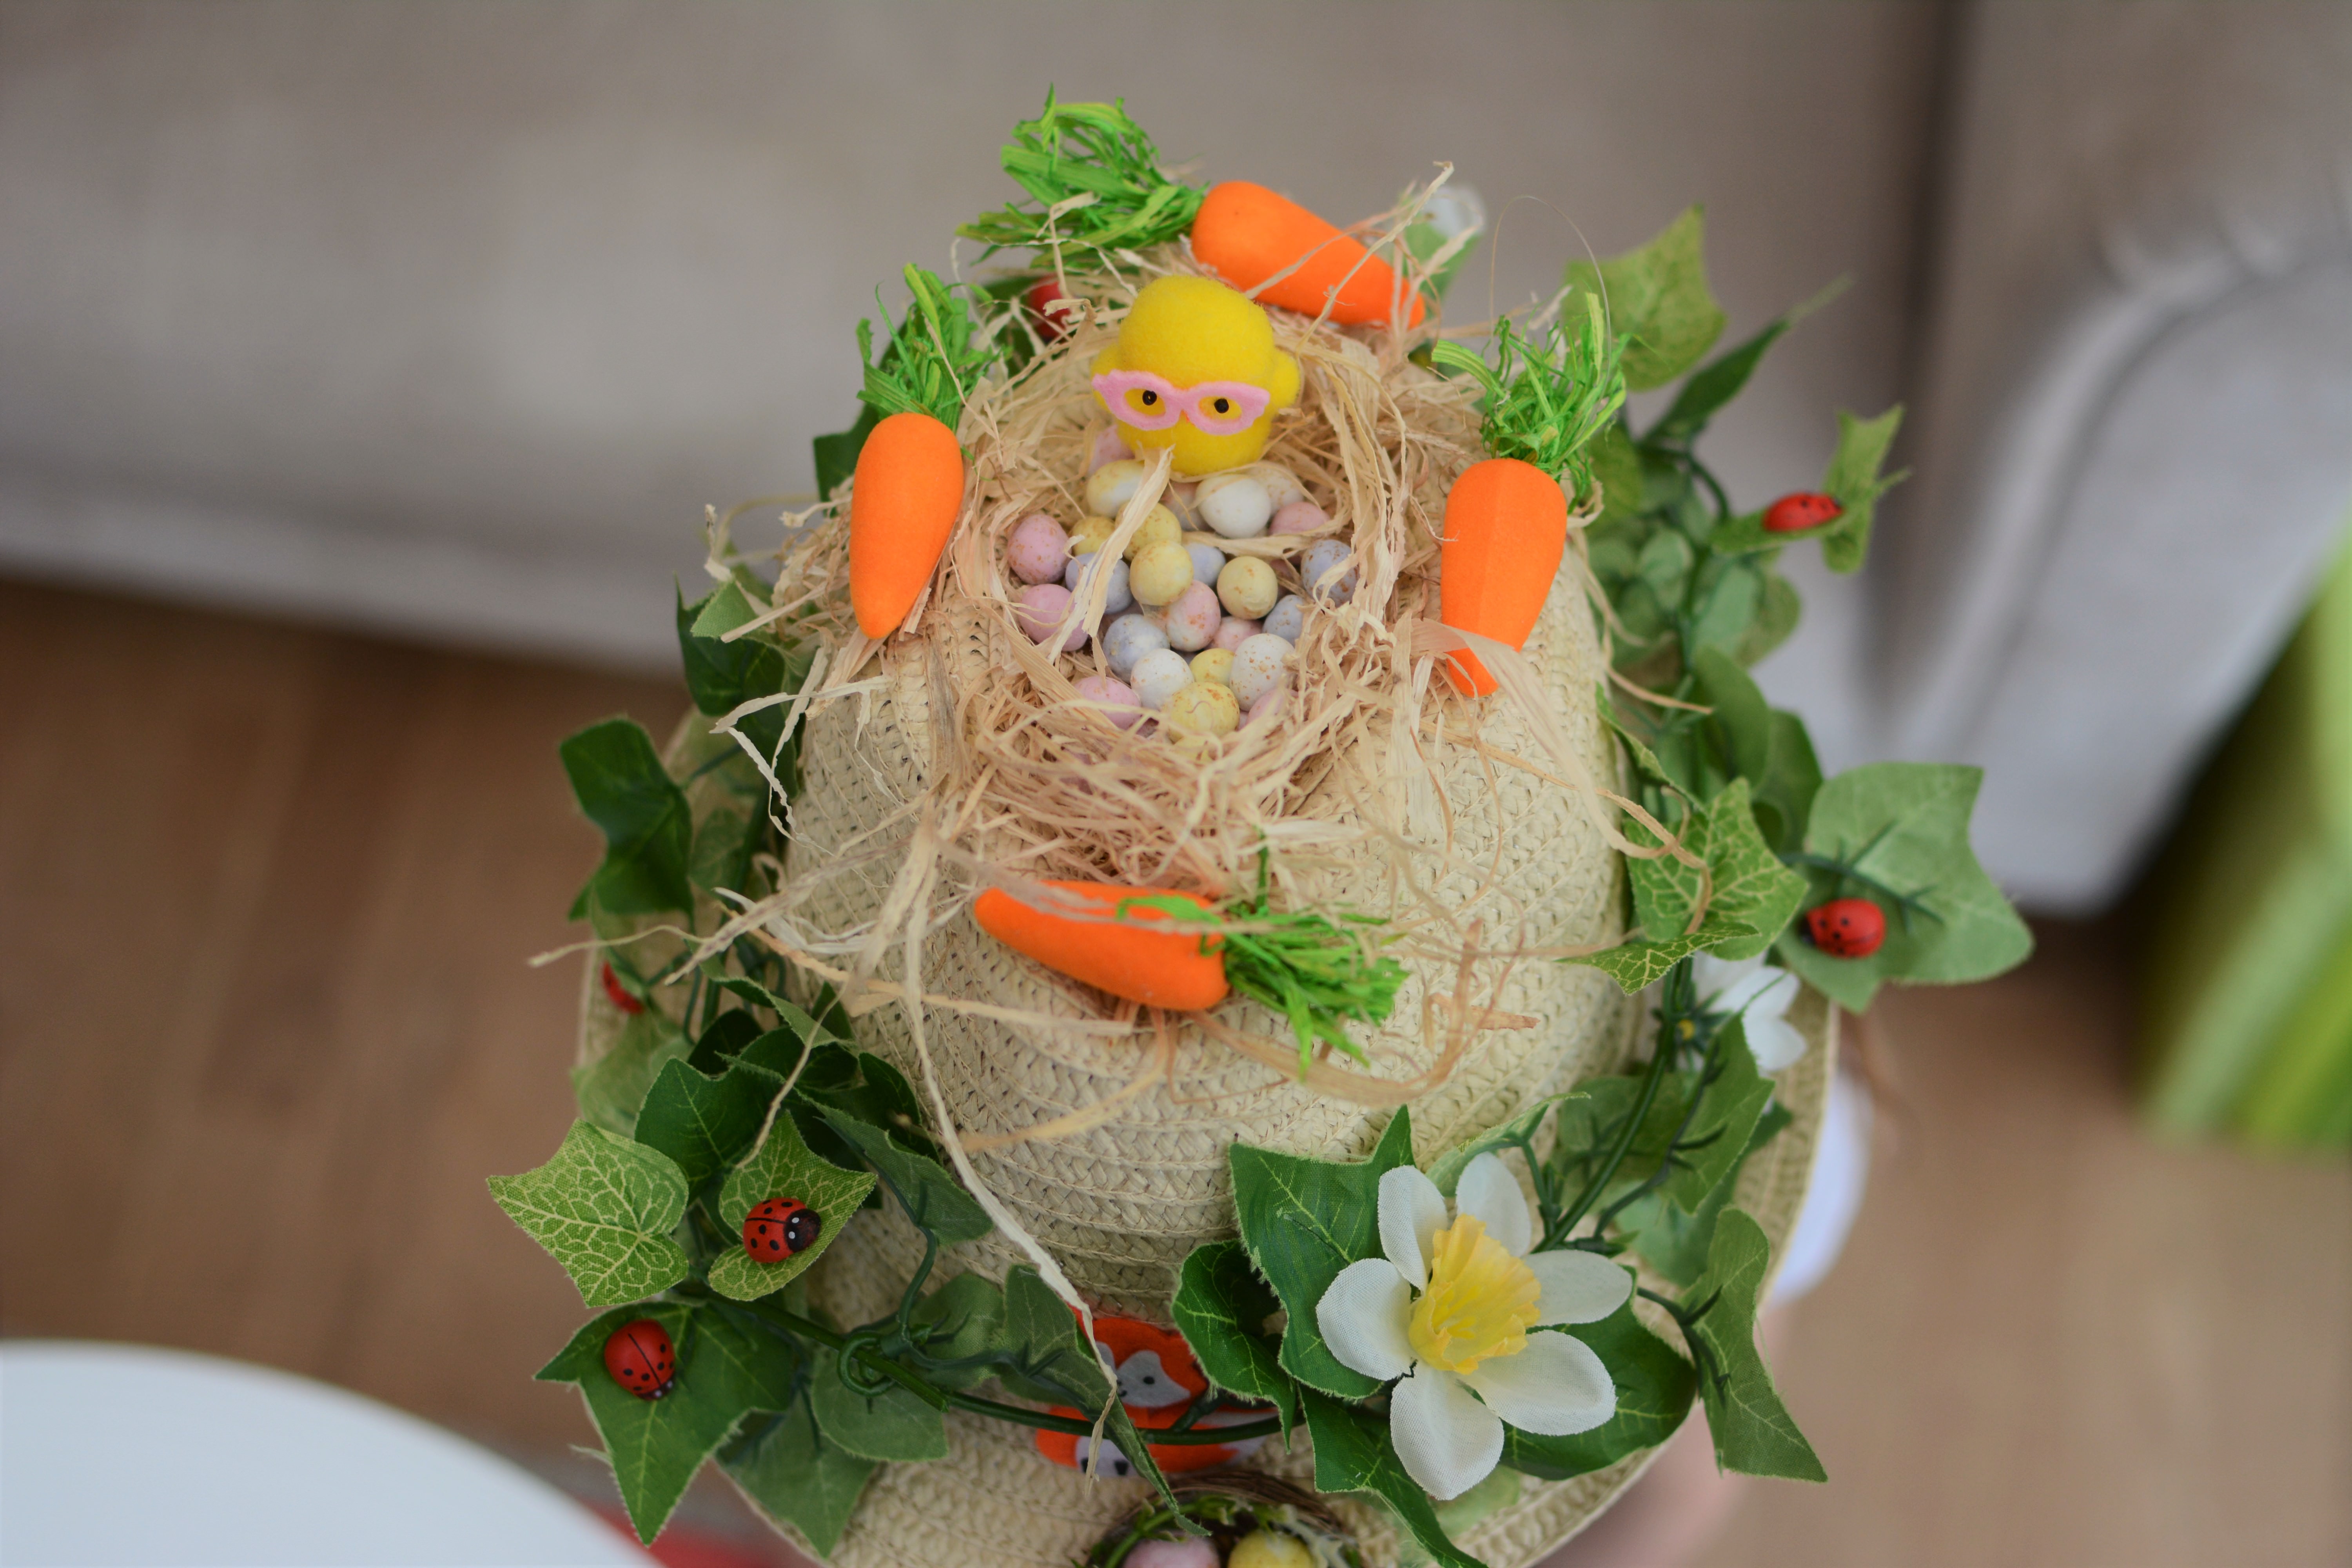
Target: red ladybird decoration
{"points": [[619, 994], [778, 1228], [640, 1359], [1794, 514], [1054, 310], [1846, 928]]}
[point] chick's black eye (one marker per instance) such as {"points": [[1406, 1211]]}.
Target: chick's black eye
{"points": [[1222, 406], [1150, 398]]}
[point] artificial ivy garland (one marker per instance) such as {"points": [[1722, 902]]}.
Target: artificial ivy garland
{"points": [[1393, 1306]]}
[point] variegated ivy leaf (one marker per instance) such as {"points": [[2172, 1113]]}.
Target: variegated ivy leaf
{"points": [[604, 1208], [783, 1167], [1637, 966], [1751, 888]]}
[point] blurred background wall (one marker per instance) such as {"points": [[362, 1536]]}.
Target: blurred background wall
{"points": [[449, 318]]}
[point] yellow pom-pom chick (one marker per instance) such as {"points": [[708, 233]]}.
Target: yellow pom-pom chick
{"points": [[1195, 368]]}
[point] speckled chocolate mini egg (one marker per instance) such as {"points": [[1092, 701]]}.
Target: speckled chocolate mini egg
{"points": [[1091, 535], [1117, 699], [1235, 505], [1246, 587], [1281, 485], [1079, 568], [1298, 517], [1326, 572], [1205, 708], [1207, 562], [1128, 639], [1232, 631], [1038, 549], [1159, 527], [1191, 619], [1042, 608], [1158, 676], [1260, 664], [1108, 447], [1110, 487], [1213, 664], [1159, 574], [1287, 619]]}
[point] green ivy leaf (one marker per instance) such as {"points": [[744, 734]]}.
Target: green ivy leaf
{"points": [[963, 1319], [891, 1426], [1637, 966], [1655, 1386], [1754, 1433], [1730, 1100], [793, 1476], [704, 1124], [1658, 301], [1905, 826], [1221, 1308], [1752, 888], [1518, 1132], [1045, 1357], [1742, 720], [784, 1168], [613, 1089], [1302, 1220], [1352, 1454], [604, 1208], [1775, 618], [618, 778], [932, 1199], [1855, 482], [1643, 758], [724, 843], [722, 1039], [1783, 798], [836, 455], [1676, 1244], [724, 1372], [1710, 388]]}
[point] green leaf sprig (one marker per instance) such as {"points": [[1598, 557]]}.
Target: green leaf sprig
{"points": [[1547, 399], [934, 357], [1097, 158]]}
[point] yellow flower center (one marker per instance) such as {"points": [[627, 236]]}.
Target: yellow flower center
{"points": [[1480, 1303]]}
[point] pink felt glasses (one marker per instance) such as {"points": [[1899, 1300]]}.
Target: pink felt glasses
{"points": [[1149, 402]]}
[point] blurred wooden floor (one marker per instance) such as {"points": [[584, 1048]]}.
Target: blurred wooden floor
{"points": [[266, 897]]}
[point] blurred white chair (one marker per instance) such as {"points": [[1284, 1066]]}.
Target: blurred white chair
{"points": [[128, 1455]]}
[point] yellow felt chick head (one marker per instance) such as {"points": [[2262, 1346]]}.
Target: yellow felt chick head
{"points": [[1195, 368]]}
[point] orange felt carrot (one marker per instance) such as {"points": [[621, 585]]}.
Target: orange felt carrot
{"points": [[1247, 234], [910, 489], [1506, 531], [1118, 952]]}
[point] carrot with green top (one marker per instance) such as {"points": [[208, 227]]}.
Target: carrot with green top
{"points": [[1175, 950], [909, 488], [1506, 525]]}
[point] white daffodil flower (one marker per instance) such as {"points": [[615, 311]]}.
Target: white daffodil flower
{"points": [[1760, 994], [1447, 1310]]}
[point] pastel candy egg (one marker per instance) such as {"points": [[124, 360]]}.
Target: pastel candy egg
{"points": [[1159, 527], [1246, 587], [1158, 676], [1115, 697], [1266, 707], [1091, 535], [1213, 664], [1109, 487], [1205, 708], [1190, 1552], [1299, 517], [1038, 549], [1232, 631], [1287, 619], [1179, 500], [1160, 573], [1078, 568], [1192, 618], [1207, 562], [1281, 485], [1043, 607], [1109, 447], [1328, 575], [1260, 664], [1264, 1548], [1127, 641], [1236, 505]]}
